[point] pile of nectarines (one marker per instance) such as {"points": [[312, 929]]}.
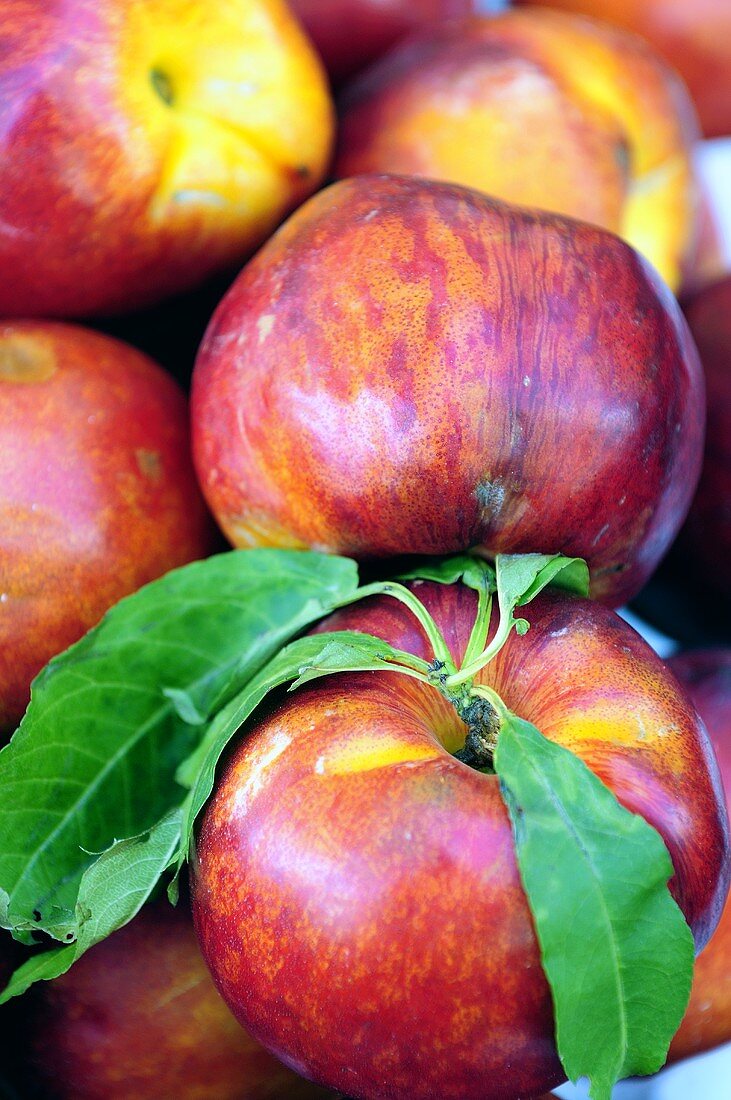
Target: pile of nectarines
{"points": [[468, 343]]}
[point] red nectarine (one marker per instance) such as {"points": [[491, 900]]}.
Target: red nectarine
{"points": [[356, 892], [411, 367], [97, 490], [146, 145]]}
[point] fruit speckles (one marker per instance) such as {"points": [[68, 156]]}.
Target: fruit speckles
{"points": [[97, 491], [345, 894], [541, 109], [25, 359], [361, 387]]}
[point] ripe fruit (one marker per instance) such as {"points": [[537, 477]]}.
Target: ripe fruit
{"points": [[707, 1023], [694, 38], [411, 367], [541, 109], [148, 144], [139, 1016], [97, 490], [355, 890]]}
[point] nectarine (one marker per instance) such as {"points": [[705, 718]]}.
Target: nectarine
{"points": [[97, 490], [356, 891], [542, 109], [412, 367], [138, 1016], [146, 145]]}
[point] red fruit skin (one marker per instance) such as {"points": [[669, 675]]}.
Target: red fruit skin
{"points": [[139, 1016], [411, 367], [707, 534], [351, 33], [706, 675], [355, 889], [146, 144], [97, 490]]}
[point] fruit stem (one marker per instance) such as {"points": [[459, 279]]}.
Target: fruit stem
{"points": [[405, 596], [478, 635], [469, 671]]}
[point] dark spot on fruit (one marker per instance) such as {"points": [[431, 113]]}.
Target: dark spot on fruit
{"points": [[609, 569], [490, 496], [149, 463], [623, 157], [163, 86]]}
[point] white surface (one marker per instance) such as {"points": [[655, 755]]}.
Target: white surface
{"points": [[707, 1077], [713, 160], [660, 642]]}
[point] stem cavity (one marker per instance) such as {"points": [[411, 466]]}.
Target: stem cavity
{"points": [[515, 579], [483, 727]]}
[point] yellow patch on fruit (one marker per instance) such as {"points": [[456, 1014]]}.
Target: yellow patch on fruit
{"points": [[369, 753], [658, 215], [215, 96], [25, 358]]}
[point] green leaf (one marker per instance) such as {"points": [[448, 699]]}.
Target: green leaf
{"points": [[615, 947], [520, 577], [346, 651], [473, 571], [39, 968], [301, 661], [112, 891], [112, 718], [185, 708]]}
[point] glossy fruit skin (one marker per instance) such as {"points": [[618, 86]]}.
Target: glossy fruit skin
{"points": [[138, 1015], [706, 536], [694, 38], [706, 675], [97, 490], [349, 34], [146, 144], [541, 109], [355, 889], [411, 367]]}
